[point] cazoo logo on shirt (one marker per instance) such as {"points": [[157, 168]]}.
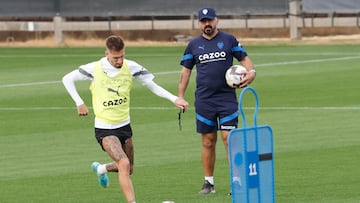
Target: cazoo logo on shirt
{"points": [[115, 102], [212, 56]]}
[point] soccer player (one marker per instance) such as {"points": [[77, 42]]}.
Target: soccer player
{"points": [[216, 103], [111, 78]]}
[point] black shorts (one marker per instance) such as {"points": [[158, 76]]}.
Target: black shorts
{"points": [[213, 116], [123, 133]]}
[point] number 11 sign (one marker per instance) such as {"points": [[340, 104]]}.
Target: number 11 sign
{"points": [[251, 160]]}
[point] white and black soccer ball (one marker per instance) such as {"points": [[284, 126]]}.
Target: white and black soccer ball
{"points": [[234, 75]]}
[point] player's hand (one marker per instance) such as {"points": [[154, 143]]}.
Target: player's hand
{"points": [[247, 79], [182, 103], [82, 110]]}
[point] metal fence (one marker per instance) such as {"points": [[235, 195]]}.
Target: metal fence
{"points": [[331, 6], [74, 8], [104, 8], [60, 16]]}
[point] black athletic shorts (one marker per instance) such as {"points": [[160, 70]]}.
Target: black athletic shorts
{"points": [[123, 133], [216, 115]]}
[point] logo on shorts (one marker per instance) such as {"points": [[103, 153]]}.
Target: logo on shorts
{"points": [[227, 127]]}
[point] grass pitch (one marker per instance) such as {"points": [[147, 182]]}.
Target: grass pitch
{"points": [[309, 95]]}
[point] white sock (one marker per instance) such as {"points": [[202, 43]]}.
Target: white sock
{"points": [[101, 169], [210, 179]]}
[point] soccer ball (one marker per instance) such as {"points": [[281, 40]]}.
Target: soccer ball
{"points": [[234, 75]]}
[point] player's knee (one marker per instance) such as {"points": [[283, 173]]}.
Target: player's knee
{"points": [[123, 165], [209, 144]]}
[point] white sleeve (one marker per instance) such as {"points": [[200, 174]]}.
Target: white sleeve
{"points": [[146, 79], [159, 91], [69, 83]]}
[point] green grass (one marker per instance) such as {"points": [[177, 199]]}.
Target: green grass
{"points": [[309, 95]]}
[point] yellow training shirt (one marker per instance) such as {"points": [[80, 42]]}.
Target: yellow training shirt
{"points": [[111, 95]]}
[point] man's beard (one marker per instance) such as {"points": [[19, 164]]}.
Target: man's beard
{"points": [[208, 30]]}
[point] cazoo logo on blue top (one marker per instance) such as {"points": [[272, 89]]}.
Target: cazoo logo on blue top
{"points": [[212, 56]]}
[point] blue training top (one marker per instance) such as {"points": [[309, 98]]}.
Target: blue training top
{"points": [[212, 58]]}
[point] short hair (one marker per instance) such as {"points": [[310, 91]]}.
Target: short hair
{"points": [[115, 43]]}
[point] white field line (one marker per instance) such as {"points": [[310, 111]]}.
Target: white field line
{"points": [[309, 61], [162, 55], [174, 108], [177, 72], [29, 84]]}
